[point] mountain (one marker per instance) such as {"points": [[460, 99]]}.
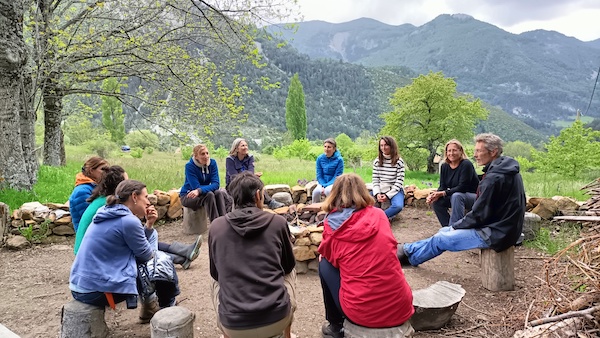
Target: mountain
{"points": [[537, 76], [340, 97]]}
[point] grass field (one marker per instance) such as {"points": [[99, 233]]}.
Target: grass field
{"points": [[569, 122], [165, 171]]}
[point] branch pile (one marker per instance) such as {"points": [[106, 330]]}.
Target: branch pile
{"points": [[592, 205]]}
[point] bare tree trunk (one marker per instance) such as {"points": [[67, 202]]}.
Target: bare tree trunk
{"points": [[54, 146], [430, 159], [17, 137]]}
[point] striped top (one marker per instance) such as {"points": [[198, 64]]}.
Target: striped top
{"points": [[388, 179]]}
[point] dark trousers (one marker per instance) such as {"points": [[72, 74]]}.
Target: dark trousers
{"points": [[213, 201], [330, 283]]}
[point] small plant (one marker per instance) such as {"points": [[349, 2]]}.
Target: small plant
{"points": [[429, 213], [27, 232], [35, 235], [137, 153], [149, 150]]}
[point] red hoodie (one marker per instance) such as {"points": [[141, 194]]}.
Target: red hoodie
{"points": [[373, 291]]}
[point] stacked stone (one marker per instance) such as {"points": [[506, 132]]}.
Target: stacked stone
{"points": [[54, 219]]}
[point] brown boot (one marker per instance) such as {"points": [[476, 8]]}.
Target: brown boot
{"points": [[148, 310]]}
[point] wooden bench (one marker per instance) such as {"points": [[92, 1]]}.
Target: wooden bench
{"points": [[80, 320], [195, 222], [498, 269]]}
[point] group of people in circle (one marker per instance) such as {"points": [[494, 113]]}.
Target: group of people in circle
{"points": [[250, 252]]}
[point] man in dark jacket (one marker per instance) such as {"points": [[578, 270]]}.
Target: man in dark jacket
{"points": [[252, 264], [496, 219]]}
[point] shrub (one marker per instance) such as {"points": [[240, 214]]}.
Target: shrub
{"points": [[220, 152], [268, 150], [142, 139], [137, 152], [186, 152], [149, 150], [100, 146]]}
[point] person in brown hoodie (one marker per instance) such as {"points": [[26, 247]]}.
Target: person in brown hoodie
{"points": [[252, 264]]}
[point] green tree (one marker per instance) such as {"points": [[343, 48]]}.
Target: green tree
{"points": [[518, 149], [295, 109], [429, 112], [575, 149], [112, 111], [142, 139]]}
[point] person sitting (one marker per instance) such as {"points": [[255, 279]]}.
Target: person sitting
{"points": [[388, 177], [252, 264], [85, 181], [180, 253], [496, 219], [201, 186], [458, 183], [240, 160], [105, 270], [358, 255], [329, 165]]}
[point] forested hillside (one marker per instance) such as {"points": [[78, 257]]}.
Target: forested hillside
{"points": [[538, 76]]}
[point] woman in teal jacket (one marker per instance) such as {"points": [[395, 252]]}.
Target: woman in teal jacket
{"points": [[330, 165]]}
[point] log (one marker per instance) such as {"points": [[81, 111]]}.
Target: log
{"points": [[352, 330], [173, 322], [577, 218], [195, 222], [498, 269], [4, 222], [80, 320]]}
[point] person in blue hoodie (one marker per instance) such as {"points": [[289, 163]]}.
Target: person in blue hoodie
{"points": [[330, 165], [105, 270], [201, 186], [496, 219]]}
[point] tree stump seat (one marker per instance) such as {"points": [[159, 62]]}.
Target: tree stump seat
{"points": [[173, 322], [498, 269], [80, 320], [435, 305], [195, 222]]}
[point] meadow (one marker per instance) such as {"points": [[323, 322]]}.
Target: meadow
{"points": [[165, 171]]}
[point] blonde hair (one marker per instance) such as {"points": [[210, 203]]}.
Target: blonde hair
{"points": [[460, 147], [198, 148], [349, 191], [236, 143]]}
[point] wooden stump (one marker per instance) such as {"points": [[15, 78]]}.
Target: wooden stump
{"points": [[498, 269], [435, 305], [80, 320], [352, 330], [195, 222], [173, 322]]}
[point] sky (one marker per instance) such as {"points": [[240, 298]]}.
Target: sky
{"points": [[576, 18]]}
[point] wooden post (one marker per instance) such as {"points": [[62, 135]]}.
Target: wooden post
{"points": [[4, 222], [80, 320], [172, 322], [195, 221], [498, 269]]}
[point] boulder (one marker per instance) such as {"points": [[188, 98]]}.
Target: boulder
{"points": [[272, 189], [546, 209], [60, 206], [17, 243], [315, 238], [299, 194], [435, 305], [63, 230], [301, 267], [161, 210], [153, 199], [163, 199], [315, 207], [66, 220], [303, 253], [534, 201], [310, 186], [175, 208], [298, 231], [305, 241], [283, 197], [566, 204], [423, 193]]}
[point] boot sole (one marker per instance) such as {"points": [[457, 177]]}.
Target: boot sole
{"points": [[196, 252]]}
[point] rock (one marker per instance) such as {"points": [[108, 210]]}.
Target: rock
{"points": [[17, 243], [153, 199], [566, 203], [314, 207], [282, 211], [300, 206], [26, 215], [315, 250], [315, 238], [175, 208], [299, 194], [303, 198], [313, 265], [301, 267], [54, 239], [305, 241], [17, 223], [534, 201], [531, 225], [546, 209], [63, 220], [163, 199], [161, 210], [320, 216], [15, 214], [435, 305], [283, 197], [272, 189], [63, 230], [298, 231], [36, 209], [310, 186], [314, 228], [303, 253], [423, 193], [60, 206]]}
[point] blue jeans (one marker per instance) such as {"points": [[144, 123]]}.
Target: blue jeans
{"points": [[459, 201], [396, 204], [330, 283], [446, 239]]}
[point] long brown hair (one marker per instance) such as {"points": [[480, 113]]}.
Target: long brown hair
{"points": [[393, 150], [93, 163], [349, 190], [111, 177]]}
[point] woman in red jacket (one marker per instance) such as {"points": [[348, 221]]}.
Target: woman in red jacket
{"points": [[361, 276]]}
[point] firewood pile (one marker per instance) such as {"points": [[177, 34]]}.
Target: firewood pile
{"points": [[593, 203]]}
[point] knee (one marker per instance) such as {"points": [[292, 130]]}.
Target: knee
{"points": [[457, 197]]}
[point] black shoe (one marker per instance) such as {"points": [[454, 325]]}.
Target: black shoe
{"points": [[332, 331], [402, 257]]}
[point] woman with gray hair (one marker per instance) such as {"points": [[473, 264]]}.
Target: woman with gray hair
{"points": [[240, 160]]}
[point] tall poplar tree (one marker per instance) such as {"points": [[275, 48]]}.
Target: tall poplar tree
{"points": [[112, 111], [295, 110]]}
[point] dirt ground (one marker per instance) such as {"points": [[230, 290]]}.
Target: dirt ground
{"points": [[34, 286]]}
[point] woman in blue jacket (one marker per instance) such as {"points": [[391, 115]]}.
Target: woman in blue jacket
{"points": [[85, 181], [330, 165], [201, 186]]}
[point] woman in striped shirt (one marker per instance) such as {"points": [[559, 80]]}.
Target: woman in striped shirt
{"points": [[388, 177]]}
